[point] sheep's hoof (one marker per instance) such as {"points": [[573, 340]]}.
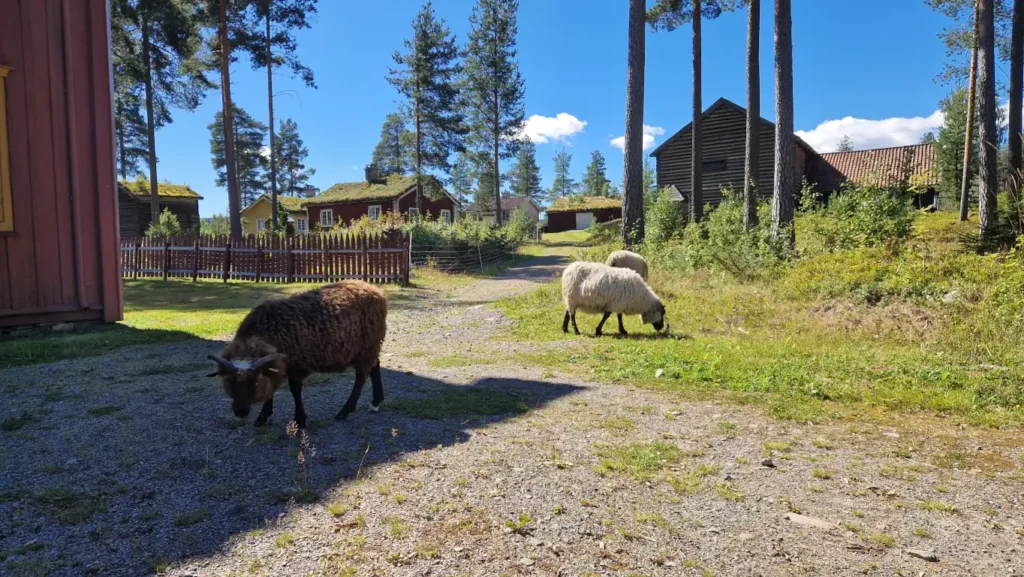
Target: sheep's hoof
{"points": [[342, 415], [375, 408], [623, 334], [260, 422]]}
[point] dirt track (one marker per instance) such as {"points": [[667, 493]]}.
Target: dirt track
{"points": [[478, 465]]}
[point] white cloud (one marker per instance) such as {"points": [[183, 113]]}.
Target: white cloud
{"points": [[546, 128], [870, 133], [649, 133]]}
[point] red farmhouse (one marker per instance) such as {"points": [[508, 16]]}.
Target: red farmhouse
{"points": [[58, 197], [348, 201]]}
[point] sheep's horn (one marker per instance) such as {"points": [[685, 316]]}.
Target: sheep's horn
{"points": [[225, 366], [264, 360]]}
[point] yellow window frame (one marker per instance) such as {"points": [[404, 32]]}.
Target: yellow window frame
{"points": [[6, 208]]}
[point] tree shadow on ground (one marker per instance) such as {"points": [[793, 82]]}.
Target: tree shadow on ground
{"points": [[116, 464]]}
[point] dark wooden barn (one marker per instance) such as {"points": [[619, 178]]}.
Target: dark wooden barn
{"points": [[133, 202], [59, 258], [724, 133], [580, 213]]}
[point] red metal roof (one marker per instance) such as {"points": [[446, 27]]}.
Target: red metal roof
{"points": [[880, 167]]}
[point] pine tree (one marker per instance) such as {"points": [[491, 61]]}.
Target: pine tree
{"points": [[563, 184], [988, 135], [426, 78], [752, 145], [129, 126], [393, 154], [1015, 102], [157, 53], [786, 183], [949, 154], [462, 177], [486, 183], [268, 36], [291, 154], [668, 15], [494, 89], [595, 182], [633, 148], [845, 144], [524, 177], [250, 163], [650, 182]]}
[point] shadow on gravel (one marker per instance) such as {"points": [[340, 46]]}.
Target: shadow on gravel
{"points": [[121, 464]]}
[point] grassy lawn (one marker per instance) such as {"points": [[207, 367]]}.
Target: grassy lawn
{"points": [[801, 356]]}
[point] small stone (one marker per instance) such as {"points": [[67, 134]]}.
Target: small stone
{"points": [[669, 564], [459, 549], [809, 521], [892, 434], [926, 554], [534, 542], [659, 373], [526, 562], [714, 530], [768, 463], [71, 462], [746, 536], [950, 297]]}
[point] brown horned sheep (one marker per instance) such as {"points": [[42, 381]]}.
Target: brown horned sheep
{"points": [[324, 330]]}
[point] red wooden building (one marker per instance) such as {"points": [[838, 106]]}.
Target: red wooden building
{"points": [[348, 201], [58, 199], [580, 213]]}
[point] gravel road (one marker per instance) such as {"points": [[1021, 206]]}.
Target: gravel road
{"points": [[479, 464]]}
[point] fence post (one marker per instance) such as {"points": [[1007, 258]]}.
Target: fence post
{"points": [[227, 259], [167, 256], [366, 263], [195, 262], [289, 242], [480, 256], [408, 259], [259, 260], [138, 257], [326, 257]]}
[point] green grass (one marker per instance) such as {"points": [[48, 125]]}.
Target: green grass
{"points": [[778, 344], [691, 481], [397, 528], [639, 460], [12, 424], [284, 540], [191, 518], [938, 506], [922, 533], [618, 425], [459, 402], [70, 507]]}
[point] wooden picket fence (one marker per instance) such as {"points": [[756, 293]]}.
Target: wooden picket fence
{"points": [[376, 258]]}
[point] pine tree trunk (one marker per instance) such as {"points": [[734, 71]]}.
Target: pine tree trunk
{"points": [[273, 147], [752, 165], [234, 199], [154, 183], [988, 148], [497, 174], [965, 183], [785, 149], [633, 170], [419, 154], [1016, 101], [123, 155], [696, 174]]}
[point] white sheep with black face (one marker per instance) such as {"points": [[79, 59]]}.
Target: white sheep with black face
{"points": [[598, 288], [632, 261]]}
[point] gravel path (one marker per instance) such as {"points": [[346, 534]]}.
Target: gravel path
{"points": [[480, 464]]}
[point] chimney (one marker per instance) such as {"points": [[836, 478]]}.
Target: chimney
{"points": [[373, 174]]}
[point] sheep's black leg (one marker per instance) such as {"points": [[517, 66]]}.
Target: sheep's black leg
{"points": [[357, 389], [574, 327], [622, 329], [265, 412], [300, 411], [600, 325], [565, 323], [378, 388]]}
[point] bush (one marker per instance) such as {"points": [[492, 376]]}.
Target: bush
{"points": [[167, 225], [720, 243], [664, 219], [857, 217]]}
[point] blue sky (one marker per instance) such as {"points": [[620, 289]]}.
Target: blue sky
{"points": [[863, 68]]}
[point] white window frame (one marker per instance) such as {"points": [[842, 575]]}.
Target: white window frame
{"points": [[506, 215], [327, 217], [371, 212], [261, 225], [413, 211], [446, 215], [300, 224]]}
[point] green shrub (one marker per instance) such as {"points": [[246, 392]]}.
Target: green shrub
{"points": [[720, 243], [856, 217], [167, 225], [664, 219]]}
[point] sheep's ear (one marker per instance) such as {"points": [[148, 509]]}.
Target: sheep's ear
{"points": [[224, 366]]}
